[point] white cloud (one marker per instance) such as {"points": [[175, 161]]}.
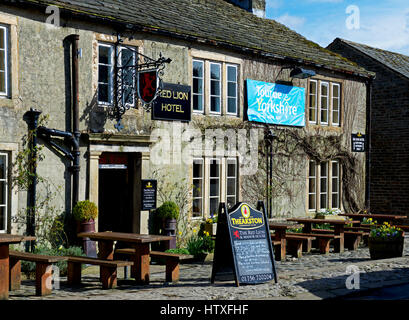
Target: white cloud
{"points": [[293, 22]]}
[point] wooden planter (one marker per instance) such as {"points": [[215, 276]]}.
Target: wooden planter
{"points": [[384, 249]]}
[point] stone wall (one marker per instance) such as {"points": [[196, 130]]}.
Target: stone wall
{"points": [[390, 134]]}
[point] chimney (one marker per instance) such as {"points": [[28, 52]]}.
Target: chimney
{"points": [[257, 7]]}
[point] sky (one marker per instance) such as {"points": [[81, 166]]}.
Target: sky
{"points": [[380, 24]]}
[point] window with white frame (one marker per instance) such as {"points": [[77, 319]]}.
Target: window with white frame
{"points": [[312, 186], [214, 185], [323, 185], [336, 103], [326, 193], [231, 182], [4, 53], [313, 107], [105, 73], [335, 185], [3, 191], [215, 87], [324, 103], [198, 176], [215, 180], [232, 89], [127, 59], [198, 85]]}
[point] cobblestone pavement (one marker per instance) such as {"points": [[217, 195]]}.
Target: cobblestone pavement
{"points": [[314, 276]]}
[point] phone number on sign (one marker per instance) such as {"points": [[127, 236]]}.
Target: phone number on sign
{"points": [[257, 277]]}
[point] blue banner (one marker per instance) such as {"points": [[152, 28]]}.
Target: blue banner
{"points": [[275, 103]]}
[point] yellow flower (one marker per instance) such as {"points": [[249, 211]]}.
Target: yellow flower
{"points": [[180, 233], [206, 233], [194, 230]]}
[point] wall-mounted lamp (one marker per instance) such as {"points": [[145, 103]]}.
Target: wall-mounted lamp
{"points": [[301, 73]]}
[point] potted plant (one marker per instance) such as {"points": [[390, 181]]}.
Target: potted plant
{"points": [[210, 225], [200, 245], [169, 213], [386, 241], [330, 214], [85, 213]]}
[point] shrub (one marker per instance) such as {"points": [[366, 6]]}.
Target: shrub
{"points": [[29, 267], [178, 251], [168, 210], [200, 244], [85, 211]]}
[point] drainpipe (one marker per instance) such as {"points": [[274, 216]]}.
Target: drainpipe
{"points": [[75, 120], [369, 85]]}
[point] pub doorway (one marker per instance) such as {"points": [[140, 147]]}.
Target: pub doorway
{"points": [[115, 190]]}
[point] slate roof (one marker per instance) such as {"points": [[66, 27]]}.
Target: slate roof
{"points": [[395, 61], [214, 22]]}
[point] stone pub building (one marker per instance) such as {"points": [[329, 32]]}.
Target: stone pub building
{"points": [[217, 50]]}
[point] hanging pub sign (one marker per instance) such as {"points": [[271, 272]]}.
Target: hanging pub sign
{"points": [[149, 191], [148, 84], [358, 142], [172, 103], [243, 245], [275, 103]]}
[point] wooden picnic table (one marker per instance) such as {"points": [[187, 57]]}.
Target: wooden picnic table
{"points": [[380, 218], [339, 226], [5, 241], [141, 243], [280, 230]]}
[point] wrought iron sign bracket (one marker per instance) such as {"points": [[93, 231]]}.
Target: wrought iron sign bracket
{"points": [[136, 77]]}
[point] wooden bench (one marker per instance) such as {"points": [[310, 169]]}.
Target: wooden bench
{"points": [[108, 270], [323, 240], [278, 249], [296, 243], [43, 270], [172, 261], [352, 238]]}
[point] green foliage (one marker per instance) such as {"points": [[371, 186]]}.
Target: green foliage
{"points": [[85, 211], [200, 243], [322, 226], [178, 251], [386, 232], [168, 210], [29, 267]]}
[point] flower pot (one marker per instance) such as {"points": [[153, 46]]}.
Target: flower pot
{"points": [[384, 249], [169, 229], [88, 245]]}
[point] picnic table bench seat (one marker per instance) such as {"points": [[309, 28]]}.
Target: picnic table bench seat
{"points": [[294, 244], [172, 261], [43, 270], [323, 240], [352, 238], [108, 270]]}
